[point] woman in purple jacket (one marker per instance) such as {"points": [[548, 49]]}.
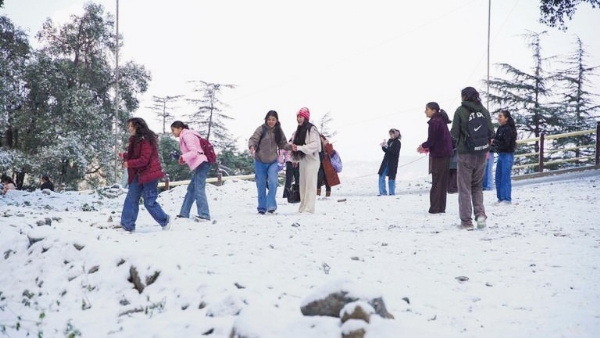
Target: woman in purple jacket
{"points": [[439, 147]]}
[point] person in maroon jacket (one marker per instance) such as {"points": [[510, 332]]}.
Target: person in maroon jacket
{"points": [[439, 146], [144, 171]]}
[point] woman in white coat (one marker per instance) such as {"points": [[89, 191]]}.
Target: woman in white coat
{"points": [[306, 146]]}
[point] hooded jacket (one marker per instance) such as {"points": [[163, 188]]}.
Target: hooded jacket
{"points": [[459, 124]]}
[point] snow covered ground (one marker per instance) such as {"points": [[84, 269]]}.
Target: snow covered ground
{"points": [[66, 269]]}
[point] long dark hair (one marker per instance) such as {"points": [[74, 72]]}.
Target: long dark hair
{"points": [[300, 137], [142, 131], [179, 124], [511, 124], [439, 112], [470, 94], [277, 128]]}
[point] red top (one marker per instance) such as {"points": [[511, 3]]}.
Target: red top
{"points": [[142, 160]]}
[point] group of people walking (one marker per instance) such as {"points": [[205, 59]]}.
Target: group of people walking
{"points": [[144, 171], [456, 162], [307, 156]]}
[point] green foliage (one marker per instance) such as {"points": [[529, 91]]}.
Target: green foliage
{"points": [[209, 118], [234, 162], [64, 126], [553, 12], [526, 94], [176, 171]]}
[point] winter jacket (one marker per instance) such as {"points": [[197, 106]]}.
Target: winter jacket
{"points": [[459, 124], [267, 146], [505, 140], [391, 158], [439, 141], [142, 161], [191, 151], [330, 174], [312, 146]]}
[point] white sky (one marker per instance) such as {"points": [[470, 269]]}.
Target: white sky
{"points": [[373, 67], [533, 272]]}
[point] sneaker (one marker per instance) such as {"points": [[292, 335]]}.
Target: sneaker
{"points": [[122, 229], [271, 211], [167, 226], [262, 212], [481, 222], [463, 226], [201, 219], [180, 216]]}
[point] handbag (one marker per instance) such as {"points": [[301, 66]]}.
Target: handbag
{"points": [[293, 194], [336, 162]]}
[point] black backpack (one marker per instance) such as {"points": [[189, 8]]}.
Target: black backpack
{"points": [[478, 133]]}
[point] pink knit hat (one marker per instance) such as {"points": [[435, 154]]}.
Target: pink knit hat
{"points": [[304, 112]]}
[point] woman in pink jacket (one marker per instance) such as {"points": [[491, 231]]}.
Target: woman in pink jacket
{"points": [[193, 155]]}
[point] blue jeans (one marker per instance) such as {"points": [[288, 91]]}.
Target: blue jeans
{"points": [[262, 173], [503, 173], [131, 206], [391, 183], [196, 192], [488, 179]]}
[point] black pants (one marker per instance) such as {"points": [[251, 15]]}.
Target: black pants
{"points": [[292, 175], [322, 179], [440, 174]]}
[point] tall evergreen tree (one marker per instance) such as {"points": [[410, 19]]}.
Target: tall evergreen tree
{"points": [[209, 117], [161, 107], [526, 93], [580, 109], [324, 124]]}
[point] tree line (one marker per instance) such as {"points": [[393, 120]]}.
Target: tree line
{"points": [[551, 97], [60, 114]]}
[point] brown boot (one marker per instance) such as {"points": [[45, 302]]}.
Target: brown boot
{"points": [[327, 193], [318, 191]]}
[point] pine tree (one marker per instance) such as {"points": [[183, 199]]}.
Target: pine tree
{"points": [[209, 117], [526, 94], [162, 108], [580, 110], [323, 126]]}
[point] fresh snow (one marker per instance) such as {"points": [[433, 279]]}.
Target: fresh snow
{"points": [[533, 272]]}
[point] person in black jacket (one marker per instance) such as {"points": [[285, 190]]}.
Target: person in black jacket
{"points": [[389, 165], [505, 143], [46, 183]]}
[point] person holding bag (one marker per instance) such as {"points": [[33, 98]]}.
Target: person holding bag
{"points": [[327, 174]]}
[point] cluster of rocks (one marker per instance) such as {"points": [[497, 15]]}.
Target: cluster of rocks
{"points": [[354, 305], [354, 311]]}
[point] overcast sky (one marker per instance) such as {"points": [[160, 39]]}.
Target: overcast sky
{"points": [[373, 65]]}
